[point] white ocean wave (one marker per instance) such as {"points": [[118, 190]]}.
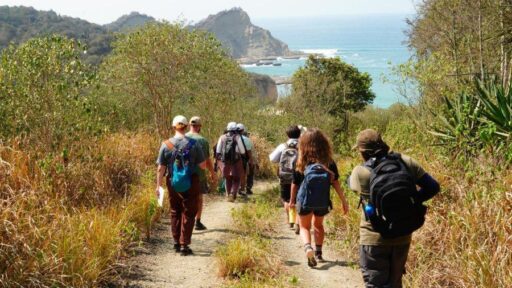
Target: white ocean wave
{"points": [[248, 65], [324, 52]]}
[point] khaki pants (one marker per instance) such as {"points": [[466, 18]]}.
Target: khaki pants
{"points": [[183, 211]]}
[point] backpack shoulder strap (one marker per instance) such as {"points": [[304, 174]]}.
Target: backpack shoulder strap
{"points": [[169, 144]]}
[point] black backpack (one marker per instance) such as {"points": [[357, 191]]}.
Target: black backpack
{"points": [[229, 155], [391, 207]]}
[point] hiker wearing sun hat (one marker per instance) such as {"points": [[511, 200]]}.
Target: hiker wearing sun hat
{"points": [[247, 179], [391, 208], [194, 133], [229, 151], [181, 158]]}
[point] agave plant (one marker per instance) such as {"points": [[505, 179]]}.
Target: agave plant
{"points": [[459, 122], [497, 106]]}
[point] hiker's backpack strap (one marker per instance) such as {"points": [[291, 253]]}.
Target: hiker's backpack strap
{"points": [[169, 144]]}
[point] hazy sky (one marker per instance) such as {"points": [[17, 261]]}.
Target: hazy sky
{"points": [[106, 11]]}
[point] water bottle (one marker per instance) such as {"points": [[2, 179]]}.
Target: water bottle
{"points": [[369, 210]]}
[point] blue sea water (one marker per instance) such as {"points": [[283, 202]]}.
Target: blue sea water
{"points": [[372, 43]]}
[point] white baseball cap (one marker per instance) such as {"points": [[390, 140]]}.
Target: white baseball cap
{"points": [[240, 127], [180, 119], [231, 126]]}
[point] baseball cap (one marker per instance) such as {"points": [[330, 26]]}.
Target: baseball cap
{"points": [[196, 120], [370, 140], [180, 119], [231, 126], [240, 127]]}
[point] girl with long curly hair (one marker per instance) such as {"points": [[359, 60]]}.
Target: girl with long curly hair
{"points": [[316, 172]]}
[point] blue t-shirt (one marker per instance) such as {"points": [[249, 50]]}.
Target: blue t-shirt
{"points": [[196, 154]]}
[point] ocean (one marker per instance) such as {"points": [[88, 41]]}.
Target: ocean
{"points": [[372, 43]]}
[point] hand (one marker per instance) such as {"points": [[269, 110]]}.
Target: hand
{"points": [[291, 204], [345, 206]]}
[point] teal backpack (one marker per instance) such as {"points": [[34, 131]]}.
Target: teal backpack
{"points": [[179, 171]]}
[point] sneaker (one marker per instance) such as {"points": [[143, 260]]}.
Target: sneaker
{"points": [[318, 256], [177, 248], [185, 251], [311, 257], [231, 198], [200, 226], [292, 225], [297, 229], [249, 192]]}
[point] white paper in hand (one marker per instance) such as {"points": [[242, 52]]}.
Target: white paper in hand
{"points": [[161, 193]]}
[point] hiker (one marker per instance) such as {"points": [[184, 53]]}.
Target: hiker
{"points": [[286, 156], [247, 179], [315, 173], [180, 157], [387, 222], [194, 133], [230, 150]]}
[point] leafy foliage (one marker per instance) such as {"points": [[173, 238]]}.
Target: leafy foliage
{"points": [[163, 69], [41, 91]]}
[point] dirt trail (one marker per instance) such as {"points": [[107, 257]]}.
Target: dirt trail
{"points": [[157, 265], [334, 272]]}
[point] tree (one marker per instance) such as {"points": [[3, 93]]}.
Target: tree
{"points": [[41, 91], [163, 68], [329, 85]]}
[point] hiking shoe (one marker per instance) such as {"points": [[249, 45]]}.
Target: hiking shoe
{"points": [[311, 257], [185, 251], [292, 225], [200, 226], [249, 192], [231, 198], [297, 229], [177, 248], [318, 256]]}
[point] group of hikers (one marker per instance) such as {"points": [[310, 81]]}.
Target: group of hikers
{"points": [[392, 188]]}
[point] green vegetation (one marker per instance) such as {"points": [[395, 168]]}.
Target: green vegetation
{"points": [[249, 260], [78, 144]]}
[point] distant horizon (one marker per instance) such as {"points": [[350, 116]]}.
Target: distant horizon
{"points": [[105, 12]]}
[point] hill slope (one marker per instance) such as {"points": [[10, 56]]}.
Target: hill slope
{"points": [[128, 22], [243, 39]]}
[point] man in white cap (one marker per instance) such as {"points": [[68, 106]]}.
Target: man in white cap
{"points": [[230, 151], [195, 129], [247, 179], [181, 158]]}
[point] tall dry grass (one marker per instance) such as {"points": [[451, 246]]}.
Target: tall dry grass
{"points": [[66, 220]]}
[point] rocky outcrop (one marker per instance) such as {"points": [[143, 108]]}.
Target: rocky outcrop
{"points": [[265, 85], [240, 37], [128, 22]]}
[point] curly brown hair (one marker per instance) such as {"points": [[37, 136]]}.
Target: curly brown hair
{"points": [[314, 147]]}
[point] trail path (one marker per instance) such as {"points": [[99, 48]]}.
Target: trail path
{"points": [[157, 265], [334, 272]]}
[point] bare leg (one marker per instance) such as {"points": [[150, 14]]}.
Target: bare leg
{"points": [[305, 227], [318, 226], [200, 206]]}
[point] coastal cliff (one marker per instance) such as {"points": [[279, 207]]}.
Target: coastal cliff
{"points": [[242, 38]]}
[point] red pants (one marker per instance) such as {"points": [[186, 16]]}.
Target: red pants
{"points": [[183, 211]]}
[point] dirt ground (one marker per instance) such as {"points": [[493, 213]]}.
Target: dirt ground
{"points": [[157, 265]]}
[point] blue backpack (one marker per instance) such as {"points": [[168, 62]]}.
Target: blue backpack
{"points": [[179, 171], [314, 191]]}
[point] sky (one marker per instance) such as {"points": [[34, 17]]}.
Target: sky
{"points": [[106, 11]]}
